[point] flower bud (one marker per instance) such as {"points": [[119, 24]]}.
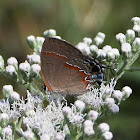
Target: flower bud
{"points": [[93, 115], [89, 131], [103, 127], [110, 56], [117, 94], [80, 105], [40, 41], [93, 50], [101, 35], [113, 108], [101, 54], [28, 134], [136, 28], [126, 49], [116, 52], [7, 90], [98, 41], [121, 38], [4, 119], [35, 69], [24, 67], [88, 41], [31, 41], [59, 136], [107, 48], [50, 33], [34, 58], [126, 91], [83, 48], [7, 132], [130, 35], [11, 70], [136, 20], [109, 101], [136, 44], [12, 61], [14, 96], [44, 137], [106, 136], [88, 123], [1, 64], [66, 110]]}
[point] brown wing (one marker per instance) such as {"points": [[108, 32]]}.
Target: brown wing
{"points": [[62, 66]]}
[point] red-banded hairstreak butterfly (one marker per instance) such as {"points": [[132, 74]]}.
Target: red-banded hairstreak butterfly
{"points": [[66, 70]]}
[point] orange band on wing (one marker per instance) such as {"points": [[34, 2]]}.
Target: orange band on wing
{"points": [[80, 72], [53, 54], [46, 83]]}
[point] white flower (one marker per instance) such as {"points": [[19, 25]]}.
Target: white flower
{"points": [[126, 49], [4, 119], [107, 48], [28, 134], [10, 70], [101, 54], [7, 132], [121, 38], [34, 58], [130, 35], [93, 115], [117, 94], [106, 136], [116, 52], [136, 28], [44, 137], [50, 33], [110, 55], [113, 108], [98, 40], [12, 61], [25, 67], [83, 48], [80, 105], [87, 40], [32, 41], [113, 54], [1, 62], [136, 20], [103, 127], [7, 90], [60, 136], [40, 41], [89, 131], [93, 49], [75, 117], [35, 69], [110, 101], [136, 44], [66, 110], [101, 35], [95, 97], [88, 123], [14, 96], [126, 91]]}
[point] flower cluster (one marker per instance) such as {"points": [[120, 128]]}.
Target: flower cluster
{"points": [[43, 115]]}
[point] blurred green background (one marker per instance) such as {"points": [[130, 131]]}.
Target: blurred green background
{"points": [[73, 20]]}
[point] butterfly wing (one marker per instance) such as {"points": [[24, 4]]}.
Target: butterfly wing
{"points": [[63, 67]]}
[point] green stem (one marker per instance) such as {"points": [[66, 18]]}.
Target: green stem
{"points": [[126, 65]]}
